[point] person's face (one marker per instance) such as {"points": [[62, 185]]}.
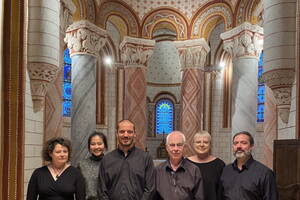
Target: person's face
{"points": [[175, 146], [97, 146], [126, 134], [241, 146], [59, 155], [201, 144]]}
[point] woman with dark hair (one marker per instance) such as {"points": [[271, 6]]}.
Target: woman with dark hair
{"points": [[89, 167], [58, 179]]}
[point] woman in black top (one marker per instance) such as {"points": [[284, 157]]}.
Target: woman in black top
{"points": [[210, 166], [89, 167], [56, 180]]}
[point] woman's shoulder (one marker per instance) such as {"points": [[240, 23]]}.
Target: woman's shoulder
{"points": [[220, 162]]}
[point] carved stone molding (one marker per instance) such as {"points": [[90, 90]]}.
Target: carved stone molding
{"points": [[136, 52], [67, 9], [83, 37], [244, 40], [281, 82], [41, 74], [192, 53]]}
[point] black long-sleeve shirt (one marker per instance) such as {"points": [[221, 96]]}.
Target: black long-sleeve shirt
{"points": [[126, 178], [211, 173], [254, 181], [68, 186], [185, 183]]}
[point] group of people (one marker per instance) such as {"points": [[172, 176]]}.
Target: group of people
{"points": [[128, 173]]}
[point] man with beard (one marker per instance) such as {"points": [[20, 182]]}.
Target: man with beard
{"points": [[126, 173], [177, 178], [246, 178]]}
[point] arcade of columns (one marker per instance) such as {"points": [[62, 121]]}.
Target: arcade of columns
{"points": [[242, 42]]}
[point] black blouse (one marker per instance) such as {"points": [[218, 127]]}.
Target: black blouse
{"points": [[211, 173], [68, 186]]}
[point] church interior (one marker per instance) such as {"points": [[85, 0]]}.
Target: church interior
{"points": [[69, 67]]}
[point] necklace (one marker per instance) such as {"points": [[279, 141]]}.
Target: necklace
{"points": [[56, 172]]}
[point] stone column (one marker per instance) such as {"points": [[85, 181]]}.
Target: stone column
{"points": [[192, 57], [243, 44], [84, 40], [279, 52], [53, 102], [135, 54]]}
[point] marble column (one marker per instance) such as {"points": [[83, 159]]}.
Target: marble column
{"points": [[135, 54], [279, 53], [192, 57], [84, 41], [54, 119], [270, 127], [243, 44]]}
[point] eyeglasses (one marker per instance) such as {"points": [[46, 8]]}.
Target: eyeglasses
{"points": [[124, 131], [178, 145]]}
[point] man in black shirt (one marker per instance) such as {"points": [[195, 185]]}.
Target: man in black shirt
{"points": [[246, 178], [126, 173], [177, 178]]}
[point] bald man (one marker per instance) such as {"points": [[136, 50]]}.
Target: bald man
{"points": [[177, 178], [126, 173]]}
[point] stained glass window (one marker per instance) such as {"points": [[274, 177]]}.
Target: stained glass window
{"points": [[67, 86], [260, 91], [164, 111]]}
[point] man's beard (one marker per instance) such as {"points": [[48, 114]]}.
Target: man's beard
{"points": [[242, 154]]}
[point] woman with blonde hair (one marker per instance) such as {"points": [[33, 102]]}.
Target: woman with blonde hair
{"points": [[210, 166]]}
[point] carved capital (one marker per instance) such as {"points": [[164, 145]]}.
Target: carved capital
{"points": [[281, 82], [83, 37], [136, 52], [67, 9], [40, 74], [192, 53], [244, 40]]}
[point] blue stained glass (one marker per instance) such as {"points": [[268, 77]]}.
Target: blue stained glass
{"points": [[261, 99], [67, 73], [164, 116], [260, 92], [67, 86], [67, 58], [67, 91], [67, 106]]}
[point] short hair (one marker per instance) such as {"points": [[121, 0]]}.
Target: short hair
{"points": [[173, 132], [124, 120], [50, 145], [202, 133], [251, 140], [101, 135]]}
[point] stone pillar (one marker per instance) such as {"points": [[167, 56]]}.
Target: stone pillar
{"points": [[270, 127], [192, 57], [243, 44], [84, 40], [279, 52], [43, 49], [135, 54], [53, 102]]}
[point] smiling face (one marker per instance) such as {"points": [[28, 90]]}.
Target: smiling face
{"points": [[126, 134], [59, 155], [241, 146], [175, 146], [202, 144], [97, 146]]}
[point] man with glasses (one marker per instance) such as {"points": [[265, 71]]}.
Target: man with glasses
{"points": [[177, 178], [126, 173]]}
